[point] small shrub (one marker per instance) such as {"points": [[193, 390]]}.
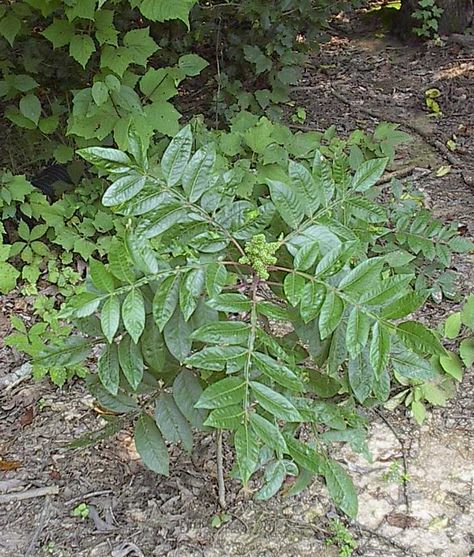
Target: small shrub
{"points": [[275, 310]]}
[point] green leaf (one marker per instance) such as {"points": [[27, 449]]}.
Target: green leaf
{"points": [[133, 314], [164, 10], [379, 348], [275, 474], [100, 276], [192, 64], [108, 369], [150, 445], [304, 456], [81, 48], [186, 392], [229, 417], [273, 311], [452, 325], [165, 301], [366, 210], [216, 277], [331, 314], [8, 277], [405, 305], [312, 300], [278, 372], [197, 176], [275, 403], [293, 288], [357, 332], [467, 312], [419, 338], [408, 364], [306, 256], [269, 433], [119, 262], [231, 303], [305, 185], [176, 156], [387, 291], [216, 358], [59, 33], [288, 202], [466, 351], [10, 26], [164, 218], [131, 361], [121, 404], [368, 174], [153, 347], [123, 189], [419, 411], [173, 425], [363, 277], [177, 334], [100, 93], [223, 332], [452, 365], [30, 107], [139, 45], [226, 392], [361, 377], [110, 317], [341, 489], [104, 158], [247, 452]]}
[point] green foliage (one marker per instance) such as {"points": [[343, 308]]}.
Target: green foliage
{"points": [[432, 104], [342, 538], [458, 328], [260, 47], [428, 15], [192, 338], [88, 71], [82, 511]]}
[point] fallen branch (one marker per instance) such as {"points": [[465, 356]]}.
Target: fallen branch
{"points": [[387, 540], [397, 174], [438, 145], [404, 458], [220, 470], [29, 494], [43, 520]]}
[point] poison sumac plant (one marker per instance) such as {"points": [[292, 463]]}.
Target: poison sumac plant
{"points": [[269, 317]]}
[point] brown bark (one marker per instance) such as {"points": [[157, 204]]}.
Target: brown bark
{"points": [[457, 17]]}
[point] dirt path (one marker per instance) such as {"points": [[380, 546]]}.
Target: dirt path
{"points": [[135, 513]]}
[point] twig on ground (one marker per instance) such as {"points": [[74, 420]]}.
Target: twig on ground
{"points": [[440, 147], [29, 494], [15, 377], [386, 539], [42, 521], [404, 458], [399, 173], [220, 470], [302, 128], [10, 485], [81, 498]]}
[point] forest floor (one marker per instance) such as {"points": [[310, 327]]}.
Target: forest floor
{"points": [[137, 514]]}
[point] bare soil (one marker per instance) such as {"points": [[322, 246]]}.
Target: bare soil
{"points": [[135, 513]]}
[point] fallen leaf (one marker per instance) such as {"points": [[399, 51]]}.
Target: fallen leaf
{"points": [[443, 170], [27, 417], [6, 465], [400, 520]]}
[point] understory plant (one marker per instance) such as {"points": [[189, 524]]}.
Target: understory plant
{"points": [[276, 314], [427, 14]]}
